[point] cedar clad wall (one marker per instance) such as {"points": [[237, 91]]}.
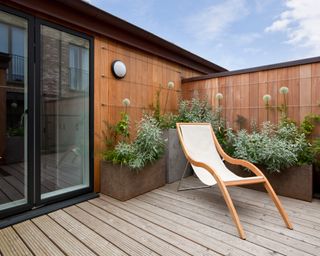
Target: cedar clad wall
{"points": [[242, 93], [145, 73]]}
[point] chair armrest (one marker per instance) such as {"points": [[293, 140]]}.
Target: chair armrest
{"points": [[244, 163]]}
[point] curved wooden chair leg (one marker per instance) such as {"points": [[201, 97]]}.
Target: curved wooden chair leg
{"points": [[233, 211], [278, 204]]}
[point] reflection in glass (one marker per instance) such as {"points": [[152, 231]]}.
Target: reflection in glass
{"points": [[64, 112], [13, 109]]}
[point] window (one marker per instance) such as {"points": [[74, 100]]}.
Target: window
{"points": [[10, 42], [78, 68]]}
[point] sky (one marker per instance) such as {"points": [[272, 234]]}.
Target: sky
{"points": [[234, 34]]}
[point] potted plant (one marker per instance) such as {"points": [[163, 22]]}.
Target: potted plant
{"points": [[130, 168], [194, 110], [283, 154]]}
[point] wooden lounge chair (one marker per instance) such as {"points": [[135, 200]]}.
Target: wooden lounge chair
{"points": [[207, 157]]}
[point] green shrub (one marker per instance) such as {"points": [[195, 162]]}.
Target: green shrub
{"points": [[308, 124], [192, 111], [316, 151], [275, 147], [146, 148]]}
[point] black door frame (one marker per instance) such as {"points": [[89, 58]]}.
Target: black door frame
{"points": [[38, 200], [30, 115], [33, 111]]}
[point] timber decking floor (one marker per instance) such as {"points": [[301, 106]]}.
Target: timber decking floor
{"points": [[12, 186], [167, 222]]}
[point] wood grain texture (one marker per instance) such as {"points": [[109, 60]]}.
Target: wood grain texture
{"points": [[167, 222], [243, 93], [145, 74]]}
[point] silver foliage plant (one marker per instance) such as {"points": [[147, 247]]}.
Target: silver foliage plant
{"points": [[146, 148], [275, 147], [200, 111]]}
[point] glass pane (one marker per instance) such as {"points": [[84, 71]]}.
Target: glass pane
{"points": [[4, 38], [64, 113], [13, 118]]}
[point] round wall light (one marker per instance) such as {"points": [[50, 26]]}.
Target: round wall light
{"points": [[119, 69]]}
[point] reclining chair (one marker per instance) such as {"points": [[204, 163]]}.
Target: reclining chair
{"points": [[207, 157]]}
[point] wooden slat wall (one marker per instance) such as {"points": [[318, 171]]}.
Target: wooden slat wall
{"points": [[145, 73], [243, 93]]}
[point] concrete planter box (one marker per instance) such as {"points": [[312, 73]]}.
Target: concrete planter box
{"points": [[122, 183], [175, 159], [295, 182]]}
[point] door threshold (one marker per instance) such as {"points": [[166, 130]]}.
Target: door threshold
{"points": [[11, 220]]}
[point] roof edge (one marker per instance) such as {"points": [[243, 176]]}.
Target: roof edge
{"points": [[254, 69], [97, 21]]}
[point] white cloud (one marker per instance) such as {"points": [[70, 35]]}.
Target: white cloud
{"points": [[301, 23], [278, 25], [246, 38], [210, 23]]}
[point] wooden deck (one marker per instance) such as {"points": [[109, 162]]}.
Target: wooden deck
{"points": [[166, 222], [53, 177]]}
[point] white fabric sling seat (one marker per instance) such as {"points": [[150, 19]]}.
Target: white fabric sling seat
{"points": [[207, 157]]}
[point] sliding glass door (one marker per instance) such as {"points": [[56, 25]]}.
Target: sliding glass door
{"points": [[64, 112], [46, 119], [14, 86]]}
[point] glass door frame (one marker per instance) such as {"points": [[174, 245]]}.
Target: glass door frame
{"points": [[30, 113], [37, 101], [33, 172]]}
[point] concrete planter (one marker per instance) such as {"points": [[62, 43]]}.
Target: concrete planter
{"points": [[175, 159], [122, 183], [295, 182]]}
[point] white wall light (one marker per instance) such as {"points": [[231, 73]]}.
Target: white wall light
{"points": [[119, 69]]}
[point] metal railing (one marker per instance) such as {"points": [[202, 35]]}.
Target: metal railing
{"points": [[16, 69]]}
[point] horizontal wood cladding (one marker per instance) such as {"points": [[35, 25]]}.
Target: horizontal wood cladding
{"points": [[145, 74], [242, 101]]}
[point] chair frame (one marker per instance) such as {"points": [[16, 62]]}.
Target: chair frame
{"points": [[224, 184]]}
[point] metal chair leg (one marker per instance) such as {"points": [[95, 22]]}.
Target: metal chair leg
{"points": [[189, 188]]}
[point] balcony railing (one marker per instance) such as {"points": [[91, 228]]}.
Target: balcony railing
{"points": [[16, 69]]}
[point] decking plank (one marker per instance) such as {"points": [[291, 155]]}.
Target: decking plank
{"points": [[248, 214], [11, 192], [37, 241], [273, 240], [145, 238], [198, 223], [164, 234], [215, 195], [11, 244], [119, 239], [188, 232], [311, 208], [14, 182], [69, 244], [91, 239], [167, 222], [259, 199], [3, 197]]}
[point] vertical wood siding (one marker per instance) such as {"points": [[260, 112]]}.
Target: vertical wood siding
{"points": [[145, 73], [242, 93]]}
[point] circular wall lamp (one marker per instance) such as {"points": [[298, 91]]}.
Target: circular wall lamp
{"points": [[119, 69]]}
